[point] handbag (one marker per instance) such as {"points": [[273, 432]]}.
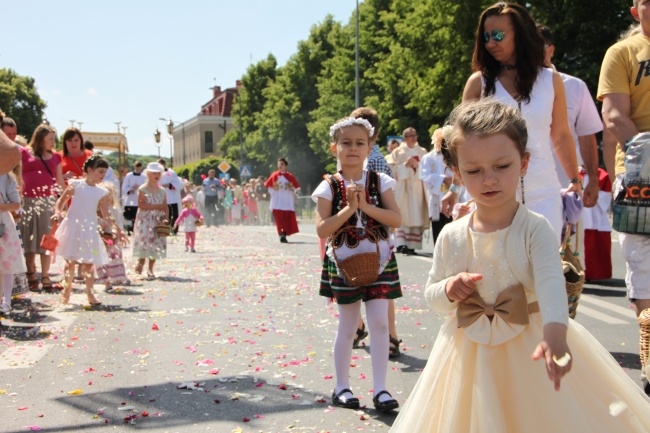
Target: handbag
{"points": [[359, 269], [574, 274], [48, 241]]}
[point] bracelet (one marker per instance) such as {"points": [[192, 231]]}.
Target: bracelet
{"points": [[455, 189], [575, 180]]}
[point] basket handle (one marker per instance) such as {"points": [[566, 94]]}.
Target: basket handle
{"points": [[343, 229], [567, 236]]}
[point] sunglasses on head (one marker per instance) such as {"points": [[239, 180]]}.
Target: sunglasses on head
{"points": [[497, 35]]}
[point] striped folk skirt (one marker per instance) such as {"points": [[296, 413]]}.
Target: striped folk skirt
{"points": [[387, 285]]}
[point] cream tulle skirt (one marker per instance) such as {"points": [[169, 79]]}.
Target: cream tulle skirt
{"points": [[472, 388]]}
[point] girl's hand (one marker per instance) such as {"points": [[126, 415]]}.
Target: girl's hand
{"points": [[122, 239], [361, 197], [352, 196], [461, 286], [56, 217], [555, 351], [463, 209], [68, 175]]}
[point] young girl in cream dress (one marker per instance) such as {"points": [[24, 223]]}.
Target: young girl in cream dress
{"points": [[508, 360]]}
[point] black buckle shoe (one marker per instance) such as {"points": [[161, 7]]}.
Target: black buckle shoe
{"points": [[350, 403], [385, 406], [283, 238]]}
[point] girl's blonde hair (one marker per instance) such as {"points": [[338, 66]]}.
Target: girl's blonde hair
{"points": [[112, 194], [479, 118]]}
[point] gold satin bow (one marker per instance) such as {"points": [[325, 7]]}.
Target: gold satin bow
{"points": [[511, 305]]}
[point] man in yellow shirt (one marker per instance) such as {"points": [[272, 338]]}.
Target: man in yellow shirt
{"points": [[624, 88]]}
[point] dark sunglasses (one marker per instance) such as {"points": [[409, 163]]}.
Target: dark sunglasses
{"points": [[497, 35]]}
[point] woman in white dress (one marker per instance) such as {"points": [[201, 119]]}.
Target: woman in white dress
{"points": [[509, 66], [78, 233]]}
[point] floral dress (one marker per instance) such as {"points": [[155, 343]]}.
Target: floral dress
{"points": [[146, 243]]}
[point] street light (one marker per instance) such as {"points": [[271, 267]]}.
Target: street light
{"points": [[156, 136], [118, 125], [80, 123], [357, 101], [170, 131]]}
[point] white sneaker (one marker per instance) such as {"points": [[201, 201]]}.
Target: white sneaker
{"points": [[5, 308]]}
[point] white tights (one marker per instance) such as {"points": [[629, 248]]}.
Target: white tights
{"points": [[377, 321], [6, 286]]}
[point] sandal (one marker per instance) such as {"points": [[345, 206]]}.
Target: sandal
{"points": [[361, 334], [393, 348], [32, 283], [385, 406], [348, 403], [46, 283]]}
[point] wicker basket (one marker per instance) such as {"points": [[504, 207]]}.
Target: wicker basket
{"points": [[360, 269], [162, 230], [644, 342], [574, 274], [198, 223]]}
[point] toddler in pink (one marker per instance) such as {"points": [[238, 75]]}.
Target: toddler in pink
{"points": [[189, 217]]}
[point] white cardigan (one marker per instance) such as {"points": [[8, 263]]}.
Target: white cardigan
{"points": [[532, 255]]}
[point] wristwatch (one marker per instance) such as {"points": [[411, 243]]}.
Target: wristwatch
{"points": [[454, 188]]}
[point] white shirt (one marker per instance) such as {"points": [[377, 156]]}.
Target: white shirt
{"points": [[130, 187], [582, 116], [283, 197], [169, 177]]}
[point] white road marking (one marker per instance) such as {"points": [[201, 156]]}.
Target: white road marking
{"points": [[28, 354], [593, 300], [583, 309]]}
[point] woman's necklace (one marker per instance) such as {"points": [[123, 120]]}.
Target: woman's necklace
{"points": [[508, 66]]}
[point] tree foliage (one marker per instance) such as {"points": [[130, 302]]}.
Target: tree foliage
{"points": [[19, 100], [414, 58]]}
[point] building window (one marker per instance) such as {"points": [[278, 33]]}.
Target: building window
{"points": [[209, 142]]}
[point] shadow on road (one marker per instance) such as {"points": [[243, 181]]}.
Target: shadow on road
{"points": [[225, 403], [627, 360]]}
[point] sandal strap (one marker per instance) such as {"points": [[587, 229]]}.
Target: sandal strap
{"points": [[343, 391], [381, 393]]}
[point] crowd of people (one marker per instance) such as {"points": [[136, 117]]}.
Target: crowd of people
{"points": [[495, 190], [71, 204]]}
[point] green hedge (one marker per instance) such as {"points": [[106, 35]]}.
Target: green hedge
{"points": [[194, 171]]}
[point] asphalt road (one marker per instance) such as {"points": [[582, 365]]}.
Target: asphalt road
{"points": [[233, 338]]}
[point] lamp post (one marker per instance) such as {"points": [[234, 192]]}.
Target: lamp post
{"points": [[170, 130], [357, 101], [118, 125], [156, 136]]}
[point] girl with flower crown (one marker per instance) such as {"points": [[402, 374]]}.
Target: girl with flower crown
{"points": [[362, 203]]}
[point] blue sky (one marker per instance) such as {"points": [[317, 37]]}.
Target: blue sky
{"points": [[134, 61]]}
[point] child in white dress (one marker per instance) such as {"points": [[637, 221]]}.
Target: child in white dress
{"points": [[152, 210], [11, 251], [114, 273], [498, 269], [78, 234]]}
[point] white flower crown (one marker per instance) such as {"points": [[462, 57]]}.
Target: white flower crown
{"points": [[349, 121]]}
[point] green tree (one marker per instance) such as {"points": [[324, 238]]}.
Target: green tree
{"points": [[247, 111], [291, 98], [20, 100], [583, 30]]}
